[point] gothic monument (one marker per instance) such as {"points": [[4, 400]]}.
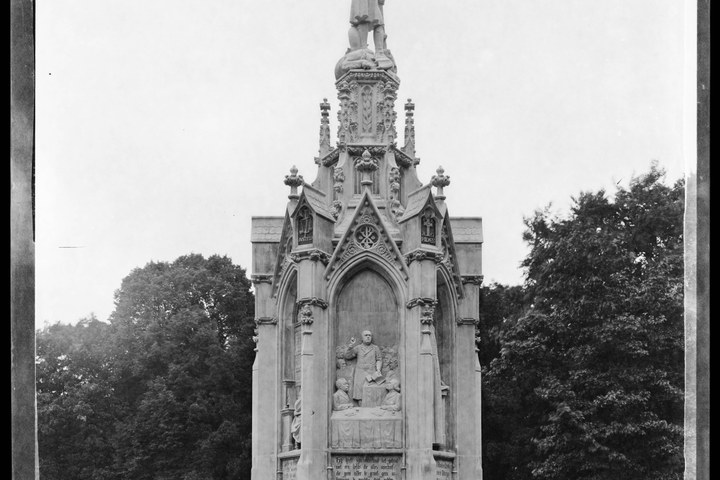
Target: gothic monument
{"points": [[367, 300]]}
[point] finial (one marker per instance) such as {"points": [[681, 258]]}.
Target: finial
{"points": [[409, 147], [293, 181], [440, 181], [366, 164], [324, 129]]}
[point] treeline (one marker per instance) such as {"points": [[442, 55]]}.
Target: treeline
{"points": [[163, 391], [582, 365]]}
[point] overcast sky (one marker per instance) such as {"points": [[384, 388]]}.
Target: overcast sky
{"points": [[163, 126]]}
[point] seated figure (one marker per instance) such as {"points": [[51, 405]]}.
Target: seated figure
{"points": [[341, 399], [392, 399]]}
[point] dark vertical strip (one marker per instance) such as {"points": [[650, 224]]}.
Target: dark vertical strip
{"points": [[703, 243], [22, 248]]}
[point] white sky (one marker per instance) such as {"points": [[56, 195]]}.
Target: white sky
{"points": [[163, 126]]}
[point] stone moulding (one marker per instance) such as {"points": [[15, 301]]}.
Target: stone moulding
{"points": [[374, 150], [261, 278], [330, 158], [266, 321], [314, 255], [419, 255], [467, 321], [315, 301], [472, 279], [368, 75]]}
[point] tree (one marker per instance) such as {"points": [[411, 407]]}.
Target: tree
{"points": [[161, 392], [588, 383], [185, 330], [76, 411]]}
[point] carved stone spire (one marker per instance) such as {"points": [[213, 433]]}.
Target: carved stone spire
{"points": [[440, 181], [324, 128], [293, 181], [409, 147]]}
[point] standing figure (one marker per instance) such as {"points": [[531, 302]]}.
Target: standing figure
{"points": [[296, 423], [369, 362], [366, 15]]}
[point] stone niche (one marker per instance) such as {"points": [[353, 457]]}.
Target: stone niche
{"points": [[367, 303]]}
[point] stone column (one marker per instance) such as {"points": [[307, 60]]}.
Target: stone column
{"points": [[468, 381], [419, 371], [315, 393], [265, 406]]}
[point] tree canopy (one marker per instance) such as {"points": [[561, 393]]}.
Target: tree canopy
{"points": [[161, 392], [588, 375]]}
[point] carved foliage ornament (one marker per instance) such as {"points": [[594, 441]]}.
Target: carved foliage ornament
{"points": [[419, 255], [427, 306], [305, 315], [260, 278], [314, 255], [314, 301], [472, 279]]}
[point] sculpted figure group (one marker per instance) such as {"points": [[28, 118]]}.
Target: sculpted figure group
{"points": [[367, 372]]}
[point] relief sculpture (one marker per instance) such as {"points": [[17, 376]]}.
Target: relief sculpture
{"points": [[367, 402]]}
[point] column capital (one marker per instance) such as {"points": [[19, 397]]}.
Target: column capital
{"points": [[314, 301], [472, 279]]}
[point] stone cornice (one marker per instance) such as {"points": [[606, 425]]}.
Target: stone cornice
{"points": [[266, 321], [315, 301], [467, 321], [261, 278], [403, 159], [472, 279], [365, 75], [330, 158], [313, 255], [374, 150], [421, 254]]}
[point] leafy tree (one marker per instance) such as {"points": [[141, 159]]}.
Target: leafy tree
{"points": [[588, 384], [161, 392], [500, 306], [185, 331], [76, 410]]}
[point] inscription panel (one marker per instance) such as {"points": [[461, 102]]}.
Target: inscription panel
{"points": [[444, 469], [289, 468], [366, 467]]}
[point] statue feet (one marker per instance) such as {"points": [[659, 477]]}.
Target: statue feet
{"points": [[383, 61], [365, 59]]}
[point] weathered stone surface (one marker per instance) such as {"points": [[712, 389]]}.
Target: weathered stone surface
{"points": [[366, 249], [366, 467]]}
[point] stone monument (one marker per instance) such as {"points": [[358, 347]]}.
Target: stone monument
{"points": [[367, 300]]}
